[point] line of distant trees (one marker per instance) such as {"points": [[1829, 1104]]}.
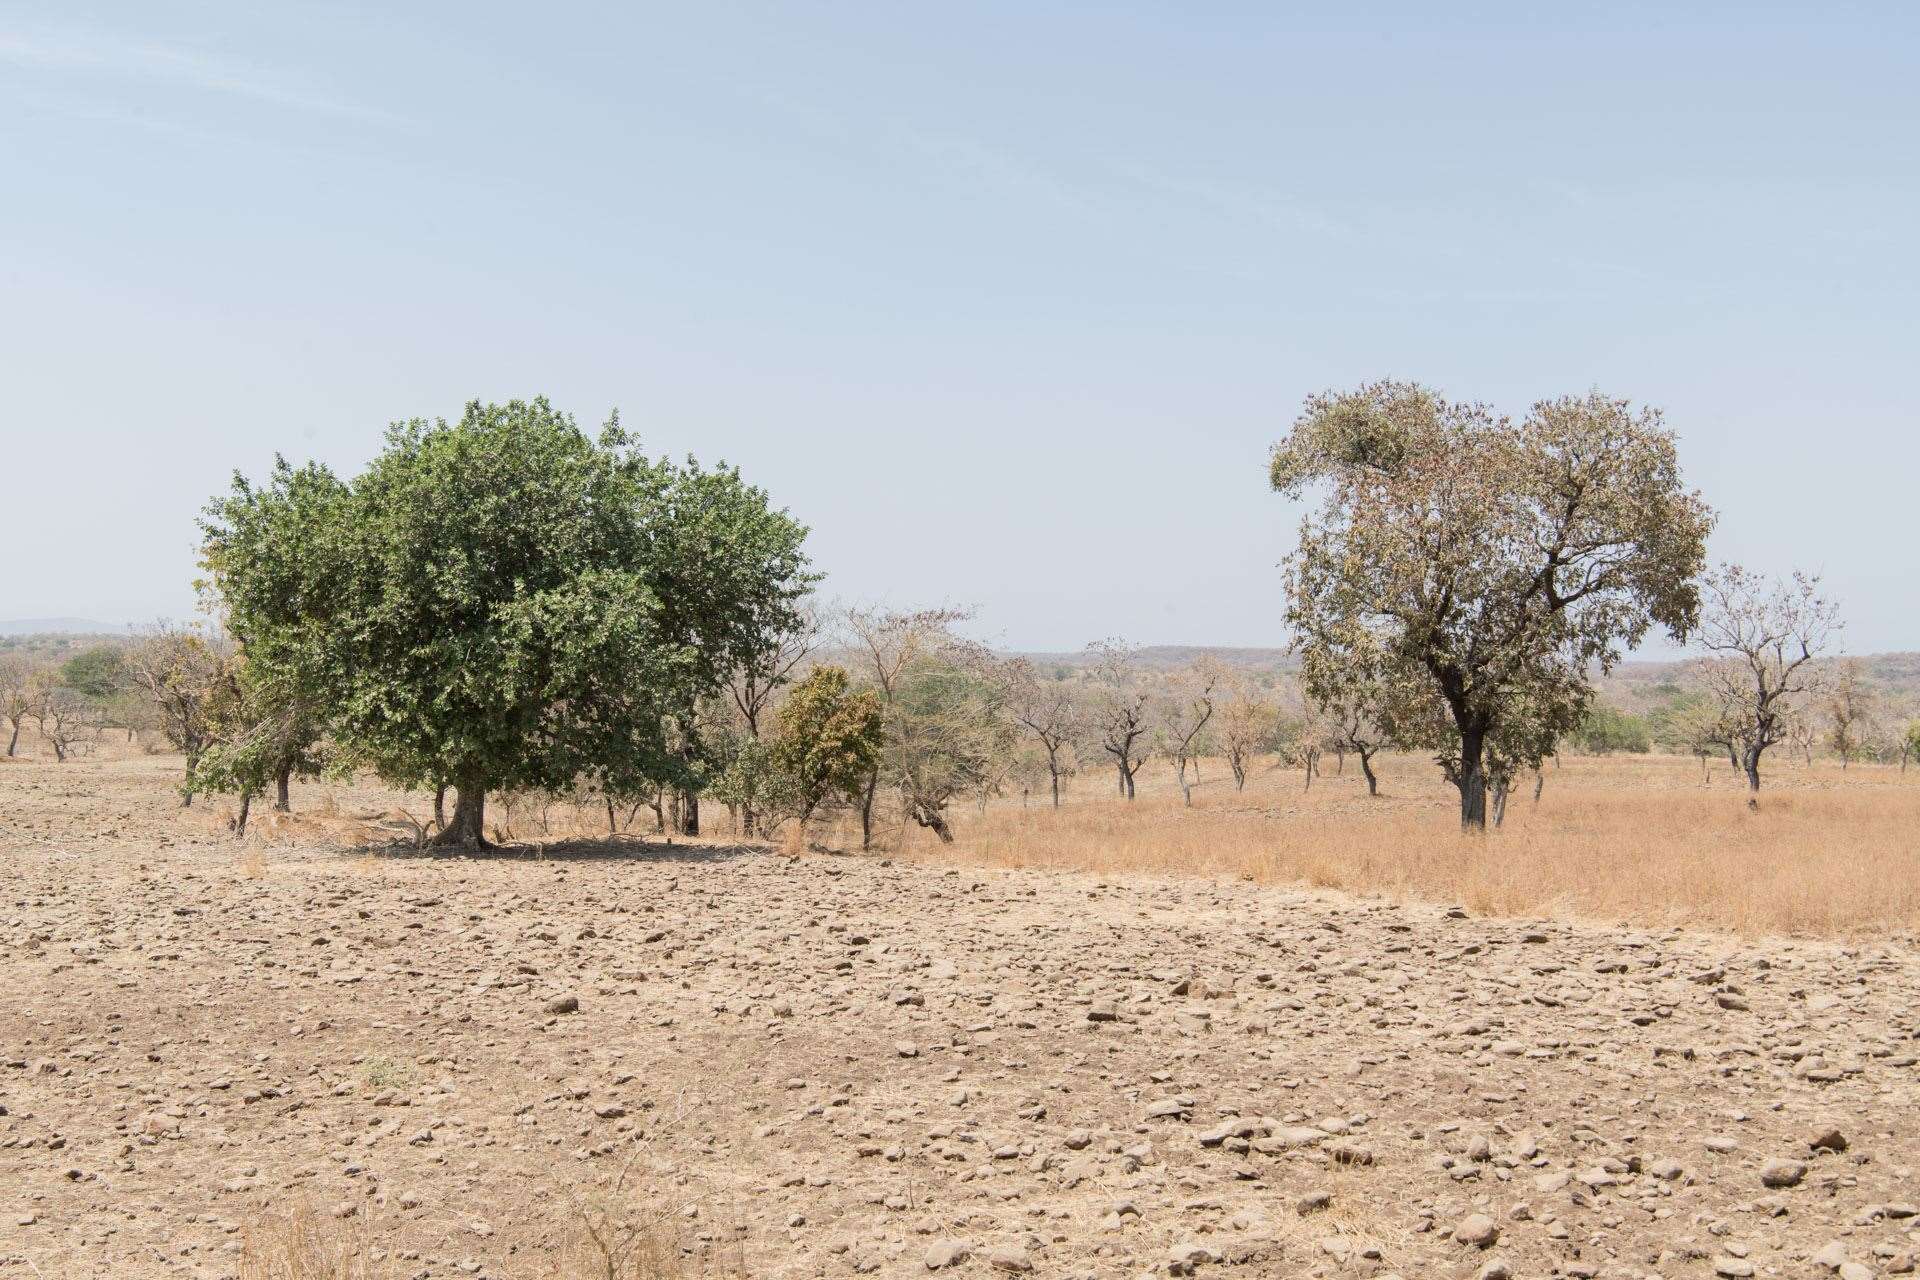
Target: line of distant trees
{"points": [[507, 604]]}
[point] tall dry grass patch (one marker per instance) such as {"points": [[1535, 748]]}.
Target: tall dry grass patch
{"points": [[1651, 840]]}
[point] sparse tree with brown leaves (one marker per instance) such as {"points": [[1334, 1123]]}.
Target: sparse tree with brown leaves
{"points": [[22, 688], [1848, 708], [1491, 565], [1248, 724], [181, 670]]}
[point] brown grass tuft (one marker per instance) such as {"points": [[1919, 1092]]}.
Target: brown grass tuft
{"points": [[301, 1244]]}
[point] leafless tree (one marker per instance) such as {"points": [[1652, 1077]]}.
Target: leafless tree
{"points": [[22, 688], [1764, 637], [1119, 715], [754, 684], [1047, 710], [1188, 710], [889, 642], [1801, 737], [1350, 725], [68, 721]]}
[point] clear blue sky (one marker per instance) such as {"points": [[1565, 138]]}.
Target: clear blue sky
{"points": [[1007, 300]]}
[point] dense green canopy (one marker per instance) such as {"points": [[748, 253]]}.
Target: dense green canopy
{"points": [[504, 602]]}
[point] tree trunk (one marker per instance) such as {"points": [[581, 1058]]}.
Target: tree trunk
{"points": [[1501, 786], [1186, 792], [282, 799], [59, 749], [1127, 772], [1539, 784], [1753, 776], [613, 823], [1473, 781], [440, 806], [240, 819], [468, 827], [1366, 767], [1053, 772], [689, 813], [933, 820], [866, 810], [13, 743]]}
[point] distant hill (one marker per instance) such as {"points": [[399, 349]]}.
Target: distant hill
{"points": [[1634, 685], [1171, 657], [62, 627]]}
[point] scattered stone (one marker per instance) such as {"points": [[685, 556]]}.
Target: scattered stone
{"points": [[1782, 1173]]}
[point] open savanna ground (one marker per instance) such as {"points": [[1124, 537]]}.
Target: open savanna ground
{"points": [[315, 1053], [1641, 839]]}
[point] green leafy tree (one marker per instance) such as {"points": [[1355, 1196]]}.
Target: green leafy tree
{"points": [[948, 734], [1606, 729], [829, 743], [263, 735], [1910, 745], [730, 576], [748, 778], [98, 671], [1476, 569], [504, 603]]}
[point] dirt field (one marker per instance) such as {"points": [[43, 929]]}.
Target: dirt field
{"points": [[838, 1066]]}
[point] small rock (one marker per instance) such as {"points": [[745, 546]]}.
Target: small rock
{"points": [[1009, 1257], [1782, 1173], [947, 1253], [1183, 1258]]}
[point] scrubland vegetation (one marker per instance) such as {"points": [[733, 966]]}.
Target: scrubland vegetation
{"points": [[506, 606], [545, 961]]}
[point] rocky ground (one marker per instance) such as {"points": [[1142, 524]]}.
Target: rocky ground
{"points": [[838, 1066]]}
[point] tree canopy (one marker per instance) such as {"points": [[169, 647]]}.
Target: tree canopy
{"points": [[503, 601], [1473, 570]]}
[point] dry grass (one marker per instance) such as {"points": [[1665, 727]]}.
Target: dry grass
{"points": [[1634, 839], [1649, 840], [301, 1244], [598, 1241]]}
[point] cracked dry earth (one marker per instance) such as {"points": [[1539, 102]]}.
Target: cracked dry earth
{"points": [[840, 1066]]}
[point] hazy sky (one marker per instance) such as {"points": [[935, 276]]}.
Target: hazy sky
{"points": [[1007, 300]]}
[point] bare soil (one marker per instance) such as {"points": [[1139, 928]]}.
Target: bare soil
{"points": [[831, 1066]]}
